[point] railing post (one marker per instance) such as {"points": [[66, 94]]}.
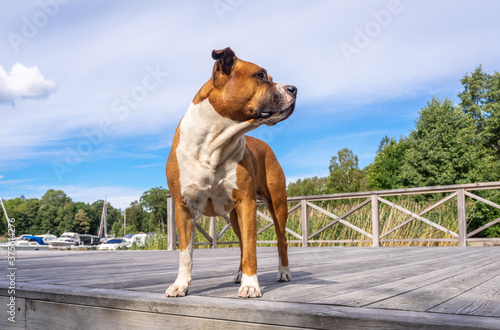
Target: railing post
{"points": [[462, 218], [375, 221], [171, 233], [213, 231], [305, 222]]}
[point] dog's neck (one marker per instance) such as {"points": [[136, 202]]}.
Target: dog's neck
{"points": [[211, 138]]}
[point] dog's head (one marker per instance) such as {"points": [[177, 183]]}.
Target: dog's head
{"points": [[243, 91]]}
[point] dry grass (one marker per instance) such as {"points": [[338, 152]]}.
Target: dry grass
{"points": [[444, 215]]}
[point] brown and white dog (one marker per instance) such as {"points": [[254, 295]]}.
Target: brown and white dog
{"points": [[215, 169]]}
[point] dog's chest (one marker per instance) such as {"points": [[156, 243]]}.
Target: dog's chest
{"points": [[207, 164]]}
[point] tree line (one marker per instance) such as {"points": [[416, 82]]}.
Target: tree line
{"points": [[56, 213], [450, 144]]}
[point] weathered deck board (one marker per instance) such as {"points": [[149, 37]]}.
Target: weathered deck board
{"points": [[404, 284], [359, 287], [481, 300]]}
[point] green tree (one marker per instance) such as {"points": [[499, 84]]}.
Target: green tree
{"points": [[17, 208], [31, 208], [443, 149], [155, 201], [50, 214], [481, 99], [135, 217], [67, 221], [385, 171], [345, 175], [308, 187], [82, 222]]}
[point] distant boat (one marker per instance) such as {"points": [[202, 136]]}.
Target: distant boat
{"points": [[66, 240], [47, 237], [113, 244], [26, 242], [138, 239], [87, 242]]}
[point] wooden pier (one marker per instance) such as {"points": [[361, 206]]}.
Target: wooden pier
{"points": [[331, 288]]}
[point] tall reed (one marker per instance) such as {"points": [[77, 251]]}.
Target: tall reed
{"points": [[444, 215]]}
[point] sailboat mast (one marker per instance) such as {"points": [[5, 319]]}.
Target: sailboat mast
{"points": [[105, 218], [102, 219], [6, 216]]}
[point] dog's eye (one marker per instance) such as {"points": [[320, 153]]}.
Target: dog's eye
{"points": [[261, 75]]}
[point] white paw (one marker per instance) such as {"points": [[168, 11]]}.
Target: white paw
{"points": [[177, 290], [249, 287], [284, 274], [237, 277]]}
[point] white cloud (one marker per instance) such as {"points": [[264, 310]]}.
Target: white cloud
{"points": [[23, 83], [1, 176]]}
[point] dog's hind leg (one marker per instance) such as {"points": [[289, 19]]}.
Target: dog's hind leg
{"points": [[278, 208], [233, 216], [276, 201]]}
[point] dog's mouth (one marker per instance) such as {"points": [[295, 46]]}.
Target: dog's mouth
{"points": [[273, 117], [265, 115]]}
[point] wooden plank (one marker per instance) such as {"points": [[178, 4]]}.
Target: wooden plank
{"points": [[370, 272], [427, 221], [483, 300], [223, 230], [213, 231], [237, 310], [304, 216], [420, 240], [476, 197], [171, 230], [265, 228], [373, 294], [340, 219], [13, 313], [375, 221], [49, 315], [480, 229], [288, 230], [401, 192], [293, 208], [331, 215], [462, 218], [433, 206], [320, 275], [427, 297], [203, 232]]}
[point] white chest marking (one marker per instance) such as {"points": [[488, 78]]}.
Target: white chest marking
{"points": [[210, 148]]}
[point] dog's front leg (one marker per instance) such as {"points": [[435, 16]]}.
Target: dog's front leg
{"points": [[185, 227], [246, 212]]}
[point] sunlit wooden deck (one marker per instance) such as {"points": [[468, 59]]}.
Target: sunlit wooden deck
{"points": [[331, 288]]}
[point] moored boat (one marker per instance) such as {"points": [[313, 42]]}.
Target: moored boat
{"points": [[25, 242], [66, 240]]}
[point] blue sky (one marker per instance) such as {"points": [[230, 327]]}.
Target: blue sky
{"points": [[92, 91]]}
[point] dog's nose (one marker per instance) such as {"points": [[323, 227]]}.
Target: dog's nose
{"points": [[291, 89]]}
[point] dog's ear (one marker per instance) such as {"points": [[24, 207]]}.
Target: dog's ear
{"points": [[225, 59]]}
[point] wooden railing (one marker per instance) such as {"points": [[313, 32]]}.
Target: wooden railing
{"points": [[304, 203]]}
